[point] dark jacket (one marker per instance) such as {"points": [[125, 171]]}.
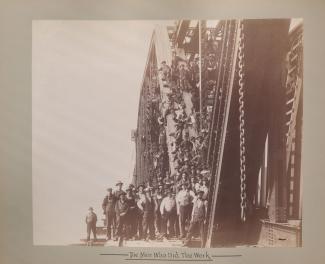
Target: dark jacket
{"points": [[198, 211], [108, 204], [149, 206], [121, 208], [117, 194]]}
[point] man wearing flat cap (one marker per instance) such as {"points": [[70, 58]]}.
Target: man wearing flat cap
{"points": [[108, 206]]}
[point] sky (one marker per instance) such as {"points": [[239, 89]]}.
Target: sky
{"points": [[86, 83]]}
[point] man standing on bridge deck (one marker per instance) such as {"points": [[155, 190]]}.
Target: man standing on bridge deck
{"points": [[108, 206], [158, 197], [91, 219], [132, 214], [146, 205], [121, 209], [169, 213], [198, 218], [139, 195], [184, 200]]}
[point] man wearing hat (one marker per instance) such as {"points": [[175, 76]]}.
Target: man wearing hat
{"points": [[146, 204], [119, 190], [198, 218], [121, 210], [132, 214], [140, 191], [140, 195], [158, 197], [169, 213], [108, 206], [184, 200], [91, 219]]}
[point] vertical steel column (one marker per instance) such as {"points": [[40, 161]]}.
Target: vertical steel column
{"points": [[200, 72], [233, 61]]}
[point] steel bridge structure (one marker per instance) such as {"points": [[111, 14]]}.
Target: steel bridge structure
{"points": [[253, 99]]}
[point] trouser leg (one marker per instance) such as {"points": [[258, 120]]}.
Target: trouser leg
{"points": [[114, 224], [151, 227], [88, 231], [118, 226], [145, 226], [202, 238], [122, 224], [177, 225], [134, 223], [190, 232], [140, 227], [164, 224], [172, 218], [109, 222], [93, 229], [182, 219], [189, 212], [157, 222], [168, 224], [127, 226]]}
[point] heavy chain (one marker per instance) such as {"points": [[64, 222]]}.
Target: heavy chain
{"points": [[243, 198]]}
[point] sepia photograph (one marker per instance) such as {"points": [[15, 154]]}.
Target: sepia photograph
{"points": [[167, 133]]}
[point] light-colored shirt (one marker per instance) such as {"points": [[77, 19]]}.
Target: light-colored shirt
{"points": [[185, 197], [167, 205], [197, 187], [143, 200]]}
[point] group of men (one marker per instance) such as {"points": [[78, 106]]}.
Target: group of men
{"points": [[160, 212]]}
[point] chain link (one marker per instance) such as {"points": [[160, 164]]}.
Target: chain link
{"points": [[243, 197]]}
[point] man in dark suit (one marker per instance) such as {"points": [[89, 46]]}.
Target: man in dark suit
{"points": [[108, 206], [132, 213]]}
